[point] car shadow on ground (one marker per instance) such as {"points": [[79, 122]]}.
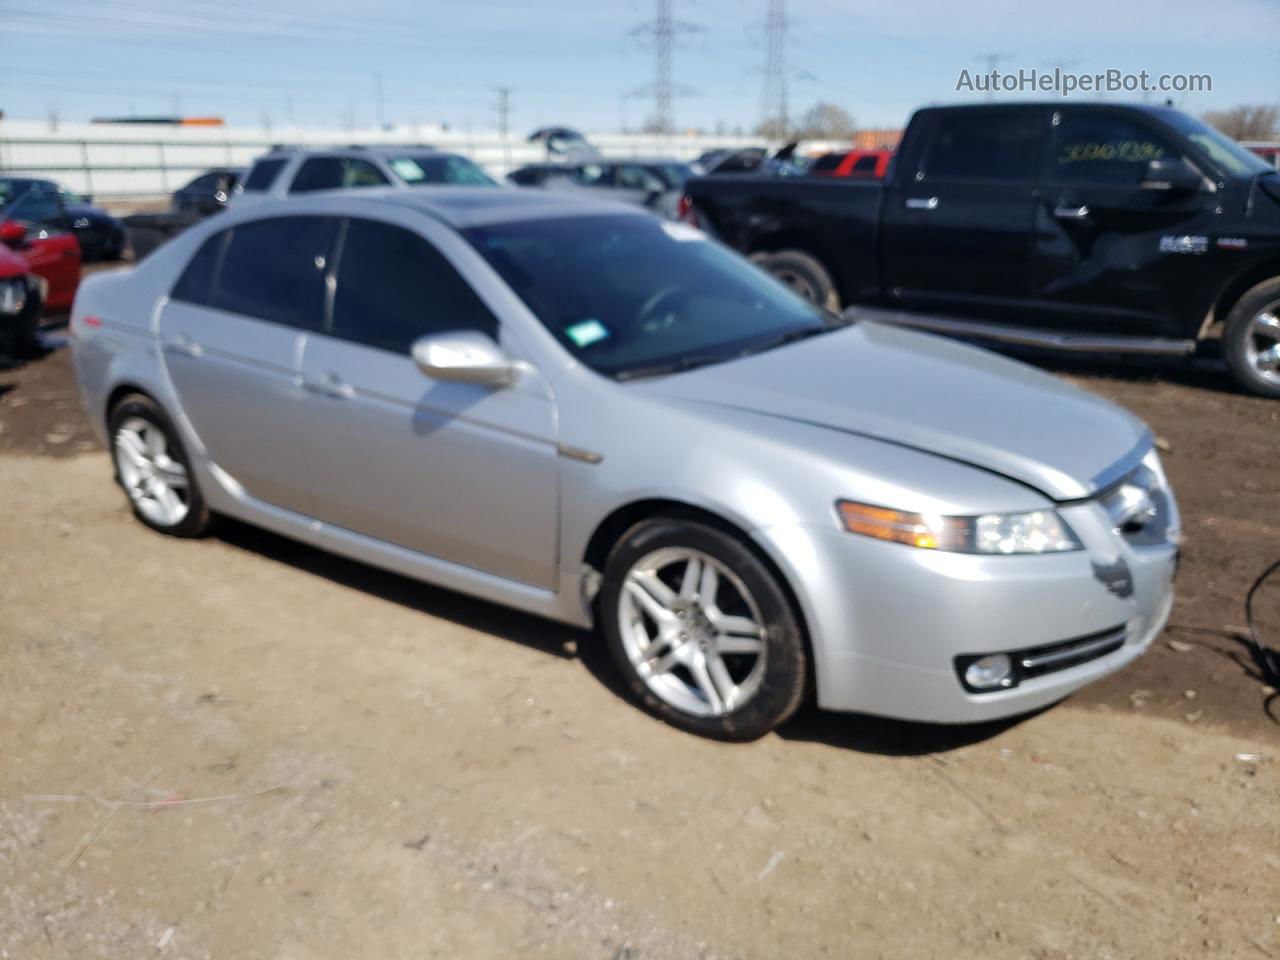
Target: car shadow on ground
{"points": [[863, 734], [1204, 371]]}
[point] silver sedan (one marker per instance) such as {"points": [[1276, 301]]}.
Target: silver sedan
{"points": [[563, 406]]}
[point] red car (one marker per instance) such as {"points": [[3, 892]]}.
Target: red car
{"points": [[872, 164], [21, 300], [32, 225]]}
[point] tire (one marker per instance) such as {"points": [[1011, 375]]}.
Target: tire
{"points": [[147, 455], [697, 671], [1247, 339], [803, 274]]}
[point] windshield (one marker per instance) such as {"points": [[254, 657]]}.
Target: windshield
{"points": [[1221, 149], [419, 170], [630, 294]]}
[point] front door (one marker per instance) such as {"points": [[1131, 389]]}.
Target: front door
{"points": [[463, 472], [232, 334], [1115, 256], [957, 233]]}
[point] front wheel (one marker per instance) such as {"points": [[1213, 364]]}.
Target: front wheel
{"points": [[153, 469], [1251, 339], [702, 631]]}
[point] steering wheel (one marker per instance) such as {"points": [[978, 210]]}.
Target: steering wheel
{"points": [[650, 318]]}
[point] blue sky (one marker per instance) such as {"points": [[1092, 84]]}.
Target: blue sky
{"points": [[571, 62]]}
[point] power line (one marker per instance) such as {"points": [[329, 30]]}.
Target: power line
{"points": [[663, 31]]}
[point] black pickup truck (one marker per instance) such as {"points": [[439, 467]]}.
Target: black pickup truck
{"points": [[1098, 227]]}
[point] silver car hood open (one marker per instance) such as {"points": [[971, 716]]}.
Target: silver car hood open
{"points": [[933, 395]]}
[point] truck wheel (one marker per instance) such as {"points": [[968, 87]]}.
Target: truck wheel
{"points": [[803, 274], [1251, 339]]}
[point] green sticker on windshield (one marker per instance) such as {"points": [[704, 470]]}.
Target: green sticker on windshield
{"points": [[587, 332]]}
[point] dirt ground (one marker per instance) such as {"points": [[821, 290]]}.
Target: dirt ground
{"points": [[243, 747]]}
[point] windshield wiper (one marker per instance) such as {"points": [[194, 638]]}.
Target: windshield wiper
{"points": [[673, 366], [804, 333]]}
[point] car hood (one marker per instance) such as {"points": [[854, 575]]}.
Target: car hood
{"points": [[933, 395]]}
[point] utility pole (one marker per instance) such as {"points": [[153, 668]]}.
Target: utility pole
{"points": [[504, 112], [663, 31], [992, 60], [775, 113], [377, 84]]}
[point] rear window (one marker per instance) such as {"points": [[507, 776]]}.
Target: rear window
{"points": [[271, 270], [196, 282], [984, 145], [262, 175]]}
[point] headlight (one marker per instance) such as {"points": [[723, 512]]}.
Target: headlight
{"points": [[1039, 531], [13, 295]]}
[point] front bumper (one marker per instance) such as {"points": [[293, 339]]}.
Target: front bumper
{"points": [[887, 622]]}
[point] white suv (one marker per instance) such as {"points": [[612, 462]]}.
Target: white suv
{"points": [[286, 171]]}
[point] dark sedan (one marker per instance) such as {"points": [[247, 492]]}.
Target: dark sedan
{"points": [[101, 236], [207, 193]]}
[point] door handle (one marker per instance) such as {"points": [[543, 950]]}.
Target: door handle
{"points": [[332, 386], [1071, 213], [184, 346], [921, 203]]}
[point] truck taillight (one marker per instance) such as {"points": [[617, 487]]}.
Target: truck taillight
{"points": [[685, 211]]}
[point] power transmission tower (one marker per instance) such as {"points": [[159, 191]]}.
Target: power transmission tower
{"points": [[775, 116], [504, 112], [992, 60], [663, 31]]}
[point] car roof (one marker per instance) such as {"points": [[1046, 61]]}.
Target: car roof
{"points": [[355, 150], [459, 207], [1156, 109]]}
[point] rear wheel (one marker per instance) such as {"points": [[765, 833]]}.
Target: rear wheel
{"points": [[702, 631], [804, 274], [153, 469], [1251, 339]]}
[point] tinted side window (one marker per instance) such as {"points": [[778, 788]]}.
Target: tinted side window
{"points": [[271, 270], [332, 173], [394, 287], [865, 165], [196, 282], [1105, 148], [262, 175], [984, 145]]}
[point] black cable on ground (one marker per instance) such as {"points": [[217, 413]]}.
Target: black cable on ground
{"points": [[1268, 660]]}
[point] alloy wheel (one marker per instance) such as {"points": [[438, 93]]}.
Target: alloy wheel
{"points": [[155, 482], [1262, 343], [692, 631]]}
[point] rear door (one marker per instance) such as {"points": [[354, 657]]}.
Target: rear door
{"points": [[1115, 256], [463, 472], [956, 233], [232, 333]]}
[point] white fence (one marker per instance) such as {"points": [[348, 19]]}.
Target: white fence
{"points": [[127, 161]]}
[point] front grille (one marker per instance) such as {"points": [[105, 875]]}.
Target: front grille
{"points": [[1031, 662]]}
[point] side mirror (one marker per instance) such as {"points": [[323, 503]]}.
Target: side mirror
{"points": [[1176, 176], [12, 233], [464, 356]]}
